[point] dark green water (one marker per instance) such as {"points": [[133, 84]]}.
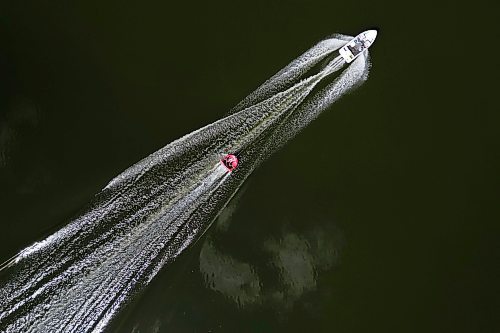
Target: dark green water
{"points": [[403, 189]]}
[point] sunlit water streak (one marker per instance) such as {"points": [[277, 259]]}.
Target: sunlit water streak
{"points": [[79, 277]]}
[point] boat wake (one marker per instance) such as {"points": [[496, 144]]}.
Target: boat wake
{"points": [[77, 279]]}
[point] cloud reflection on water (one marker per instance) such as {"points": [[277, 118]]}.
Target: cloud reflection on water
{"points": [[293, 259]]}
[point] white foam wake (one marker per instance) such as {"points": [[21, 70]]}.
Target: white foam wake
{"points": [[79, 277]]}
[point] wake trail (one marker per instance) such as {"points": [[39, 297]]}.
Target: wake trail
{"points": [[78, 278]]}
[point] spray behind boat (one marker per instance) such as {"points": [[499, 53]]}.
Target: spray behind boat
{"points": [[78, 278]]}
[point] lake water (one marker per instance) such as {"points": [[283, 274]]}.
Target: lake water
{"points": [[380, 216]]}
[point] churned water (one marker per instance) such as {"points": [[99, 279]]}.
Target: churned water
{"points": [[79, 277]]}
